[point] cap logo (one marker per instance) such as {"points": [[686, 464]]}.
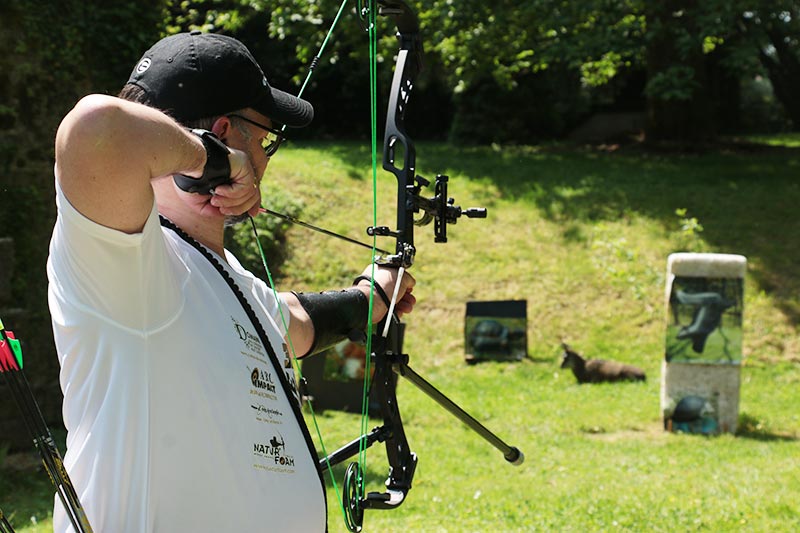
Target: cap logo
{"points": [[264, 81], [143, 65]]}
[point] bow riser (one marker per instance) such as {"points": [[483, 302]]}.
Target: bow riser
{"points": [[397, 140]]}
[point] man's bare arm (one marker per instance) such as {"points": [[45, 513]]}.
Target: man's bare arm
{"points": [[107, 152]]}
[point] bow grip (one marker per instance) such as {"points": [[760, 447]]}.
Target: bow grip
{"points": [[217, 170]]}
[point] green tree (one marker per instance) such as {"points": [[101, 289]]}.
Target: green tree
{"points": [[773, 28], [534, 66]]}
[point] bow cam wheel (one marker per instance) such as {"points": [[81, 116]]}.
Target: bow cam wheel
{"points": [[351, 497]]}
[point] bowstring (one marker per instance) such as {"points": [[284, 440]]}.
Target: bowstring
{"points": [[297, 367], [295, 360], [373, 85], [371, 14]]}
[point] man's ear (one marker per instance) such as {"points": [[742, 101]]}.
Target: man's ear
{"points": [[222, 127]]}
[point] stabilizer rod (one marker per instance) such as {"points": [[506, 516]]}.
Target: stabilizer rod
{"points": [[512, 454]]}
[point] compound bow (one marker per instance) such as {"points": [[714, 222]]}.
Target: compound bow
{"points": [[387, 349]]}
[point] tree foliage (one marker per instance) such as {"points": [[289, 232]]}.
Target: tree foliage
{"points": [[774, 28], [553, 54]]}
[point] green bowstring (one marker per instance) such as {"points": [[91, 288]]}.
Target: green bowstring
{"points": [[373, 92], [296, 364], [321, 49], [295, 359], [371, 13]]}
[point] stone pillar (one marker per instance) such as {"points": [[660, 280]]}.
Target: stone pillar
{"points": [[700, 376]]}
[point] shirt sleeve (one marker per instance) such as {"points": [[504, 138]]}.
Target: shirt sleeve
{"points": [[128, 279]]}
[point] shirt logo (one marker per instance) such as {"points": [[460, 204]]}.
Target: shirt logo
{"points": [[266, 414], [261, 379], [250, 340], [274, 451]]}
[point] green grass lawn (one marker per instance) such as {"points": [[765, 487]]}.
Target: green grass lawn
{"points": [[583, 235]]}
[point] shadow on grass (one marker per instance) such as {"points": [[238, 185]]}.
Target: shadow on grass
{"points": [[744, 196], [751, 427], [542, 360]]}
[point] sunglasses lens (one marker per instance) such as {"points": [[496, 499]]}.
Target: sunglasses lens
{"points": [[271, 143]]}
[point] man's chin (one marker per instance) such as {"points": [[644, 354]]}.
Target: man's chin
{"points": [[233, 220]]}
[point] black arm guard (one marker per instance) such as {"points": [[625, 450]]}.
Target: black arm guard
{"points": [[336, 315]]}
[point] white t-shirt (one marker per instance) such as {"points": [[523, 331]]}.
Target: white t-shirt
{"points": [[176, 415]]}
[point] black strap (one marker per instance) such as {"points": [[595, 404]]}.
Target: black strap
{"points": [[217, 170], [378, 289], [262, 335]]}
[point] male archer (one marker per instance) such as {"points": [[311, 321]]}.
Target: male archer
{"points": [[159, 329]]}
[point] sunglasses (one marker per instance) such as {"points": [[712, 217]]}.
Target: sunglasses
{"points": [[272, 141]]}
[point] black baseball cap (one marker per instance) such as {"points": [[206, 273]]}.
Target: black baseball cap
{"points": [[197, 75]]}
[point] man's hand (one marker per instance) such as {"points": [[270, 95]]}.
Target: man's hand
{"points": [[386, 277], [242, 194]]}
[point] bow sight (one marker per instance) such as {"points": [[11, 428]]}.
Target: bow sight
{"points": [[439, 209]]}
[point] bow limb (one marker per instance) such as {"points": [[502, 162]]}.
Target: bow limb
{"points": [[396, 142]]}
